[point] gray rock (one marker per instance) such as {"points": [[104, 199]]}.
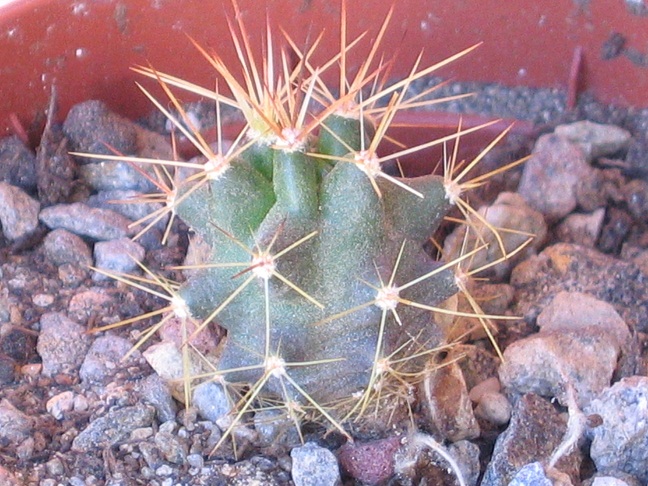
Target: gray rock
{"points": [[575, 311], [112, 175], [551, 176], [92, 128], [15, 426], [536, 429], [18, 212], [113, 427], [575, 268], [128, 203], [17, 163], [509, 211], [275, 427], [446, 404], [620, 443], [532, 473], [466, 454], [211, 401], [544, 363], [596, 140], [81, 219], [609, 481], [104, 357], [62, 344], [171, 448], [313, 465], [63, 247], [117, 256], [7, 369], [581, 229], [155, 391]]}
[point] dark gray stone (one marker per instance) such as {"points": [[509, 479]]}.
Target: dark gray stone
{"points": [[17, 163]]}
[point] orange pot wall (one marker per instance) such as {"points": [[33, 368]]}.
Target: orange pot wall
{"points": [[86, 47]]}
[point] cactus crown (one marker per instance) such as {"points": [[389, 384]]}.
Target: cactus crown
{"points": [[316, 266]]}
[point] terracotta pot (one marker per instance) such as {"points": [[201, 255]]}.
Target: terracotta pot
{"points": [[87, 47]]}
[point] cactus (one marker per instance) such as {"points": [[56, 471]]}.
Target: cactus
{"points": [[317, 267]]}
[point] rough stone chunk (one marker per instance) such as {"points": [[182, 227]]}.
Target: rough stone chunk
{"points": [[18, 212], [509, 211], [81, 219], [115, 426], [104, 357], [314, 466], [63, 247], [596, 140], [15, 426], [536, 429], [545, 362], [575, 311], [551, 176], [447, 405], [62, 344], [117, 256], [620, 443]]}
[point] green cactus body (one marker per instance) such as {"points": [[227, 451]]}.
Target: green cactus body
{"points": [[328, 333]]}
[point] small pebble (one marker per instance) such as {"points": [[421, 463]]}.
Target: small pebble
{"points": [[545, 363], [494, 408], [551, 176], [82, 220], [211, 401], [62, 344], [113, 427], [17, 163], [620, 443], [571, 311], [117, 256], [490, 385], [63, 247], [18, 212], [509, 211], [43, 300], [171, 448], [582, 229], [595, 139], [104, 357], [164, 470], [370, 462], [15, 426], [313, 465], [155, 391], [59, 404], [55, 467]]}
